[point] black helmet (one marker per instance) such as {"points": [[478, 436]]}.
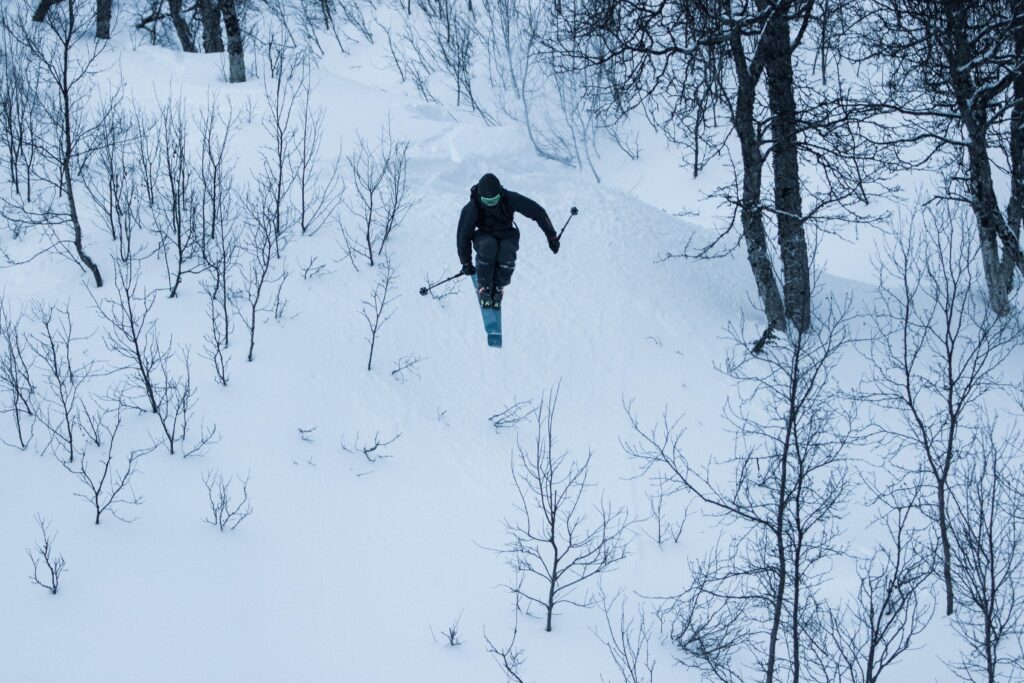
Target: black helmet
{"points": [[489, 189]]}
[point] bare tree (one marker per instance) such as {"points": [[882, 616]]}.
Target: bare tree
{"points": [[936, 352], [258, 245], [890, 610], [378, 309], [513, 414], [516, 55], [235, 42], [20, 118], [628, 641], [68, 61], [704, 72], [107, 477], [278, 158], [60, 408], [451, 41], [755, 596], [554, 542], [114, 187], [380, 201], [167, 392], [16, 374], [509, 658], [176, 213], [319, 191], [46, 554], [949, 75], [229, 505], [371, 451], [987, 530]]}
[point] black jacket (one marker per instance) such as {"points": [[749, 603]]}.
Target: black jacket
{"points": [[497, 221]]}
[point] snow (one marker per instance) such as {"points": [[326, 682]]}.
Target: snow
{"points": [[349, 570]]}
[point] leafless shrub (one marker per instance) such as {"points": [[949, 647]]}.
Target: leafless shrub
{"points": [[665, 529], [44, 553], [513, 414], [16, 375], [229, 504], [176, 212], [379, 185], [66, 375], [509, 658], [378, 309], [371, 451], [107, 478], [319, 191], [451, 40], [276, 175], [215, 171], [19, 114], [406, 365], [166, 392], [628, 641], [72, 112], [258, 245], [553, 541], [313, 269], [450, 635], [114, 184]]}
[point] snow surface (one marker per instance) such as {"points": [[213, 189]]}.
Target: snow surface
{"points": [[347, 570]]}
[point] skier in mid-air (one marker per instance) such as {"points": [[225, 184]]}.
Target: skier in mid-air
{"points": [[486, 223]]}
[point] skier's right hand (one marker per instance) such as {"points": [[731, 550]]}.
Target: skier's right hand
{"points": [[554, 243], [468, 269]]}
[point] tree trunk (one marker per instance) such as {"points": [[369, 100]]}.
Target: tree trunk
{"points": [[992, 226], [1015, 207], [43, 8], [209, 12], [786, 165], [751, 215], [236, 49], [947, 564], [104, 13], [181, 27]]}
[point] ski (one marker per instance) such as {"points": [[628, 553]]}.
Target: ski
{"points": [[492, 320]]}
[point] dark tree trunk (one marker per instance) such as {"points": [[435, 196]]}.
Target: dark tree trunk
{"points": [[43, 8], [751, 214], [104, 13], [947, 565], [209, 13], [1015, 207], [786, 165], [236, 48], [181, 27], [992, 225]]}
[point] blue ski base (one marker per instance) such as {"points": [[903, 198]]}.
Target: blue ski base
{"points": [[492, 320]]}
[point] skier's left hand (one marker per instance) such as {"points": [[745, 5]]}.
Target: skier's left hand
{"points": [[554, 244]]}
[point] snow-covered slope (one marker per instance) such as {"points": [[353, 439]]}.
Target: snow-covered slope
{"points": [[349, 570]]}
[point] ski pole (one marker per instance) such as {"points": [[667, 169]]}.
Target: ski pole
{"points": [[424, 290], [572, 212]]}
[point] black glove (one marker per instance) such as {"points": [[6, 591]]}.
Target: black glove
{"points": [[554, 243], [468, 269]]}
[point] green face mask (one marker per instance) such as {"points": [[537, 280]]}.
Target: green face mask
{"points": [[490, 201]]}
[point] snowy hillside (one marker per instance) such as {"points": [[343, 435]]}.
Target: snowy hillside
{"points": [[353, 565]]}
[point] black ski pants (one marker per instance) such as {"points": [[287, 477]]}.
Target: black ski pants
{"points": [[495, 258]]}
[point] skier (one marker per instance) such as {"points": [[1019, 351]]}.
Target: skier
{"points": [[486, 222]]}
